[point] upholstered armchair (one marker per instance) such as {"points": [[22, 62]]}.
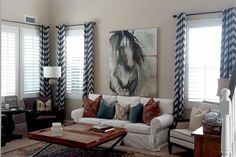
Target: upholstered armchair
{"points": [[37, 118]]}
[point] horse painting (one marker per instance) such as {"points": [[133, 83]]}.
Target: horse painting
{"points": [[127, 63]]}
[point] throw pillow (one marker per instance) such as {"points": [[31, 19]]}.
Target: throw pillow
{"points": [[135, 113], [121, 113], [43, 106], [91, 107], [150, 111], [105, 110], [196, 117]]}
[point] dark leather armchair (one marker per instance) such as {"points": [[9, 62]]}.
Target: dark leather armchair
{"points": [[37, 120]]}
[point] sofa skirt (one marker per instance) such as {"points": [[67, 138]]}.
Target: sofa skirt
{"points": [[150, 142]]}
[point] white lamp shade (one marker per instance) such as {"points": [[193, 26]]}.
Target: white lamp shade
{"points": [[52, 71]]}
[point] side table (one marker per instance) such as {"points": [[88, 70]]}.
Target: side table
{"points": [[206, 145], [10, 123]]}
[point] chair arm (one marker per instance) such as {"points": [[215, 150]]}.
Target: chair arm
{"points": [[77, 114], [161, 122]]}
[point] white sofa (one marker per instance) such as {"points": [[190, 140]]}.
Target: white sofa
{"points": [[139, 135]]}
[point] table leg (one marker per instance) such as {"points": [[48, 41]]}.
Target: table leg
{"points": [[10, 128], [36, 153], [110, 148]]}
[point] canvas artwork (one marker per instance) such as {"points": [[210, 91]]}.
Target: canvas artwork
{"points": [[133, 62]]}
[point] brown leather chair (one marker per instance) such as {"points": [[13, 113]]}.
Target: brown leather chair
{"points": [[37, 120]]}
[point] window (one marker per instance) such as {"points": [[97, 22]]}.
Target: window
{"points": [[9, 51], [203, 60], [74, 61], [19, 67], [30, 53]]}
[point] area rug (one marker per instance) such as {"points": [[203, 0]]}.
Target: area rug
{"points": [[55, 150]]}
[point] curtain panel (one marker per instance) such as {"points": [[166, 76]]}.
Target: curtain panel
{"points": [[44, 87], [88, 81], [61, 61], [180, 52], [228, 42]]}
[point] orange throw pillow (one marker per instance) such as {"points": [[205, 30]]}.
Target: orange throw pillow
{"points": [[151, 110], [91, 107]]}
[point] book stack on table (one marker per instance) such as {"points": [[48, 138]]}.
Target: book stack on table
{"points": [[102, 128]]}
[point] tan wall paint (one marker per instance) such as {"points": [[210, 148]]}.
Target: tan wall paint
{"points": [[128, 14], [114, 15], [16, 9]]}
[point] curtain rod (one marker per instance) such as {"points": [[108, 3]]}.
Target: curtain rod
{"points": [[78, 24], [210, 12], [21, 22]]}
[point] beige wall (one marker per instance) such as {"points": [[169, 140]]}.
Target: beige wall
{"points": [[115, 15], [128, 14], [16, 9]]}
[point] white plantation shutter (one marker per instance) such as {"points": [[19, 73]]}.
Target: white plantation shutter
{"points": [[9, 54], [30, 53], [203, 60], [74, 61]]}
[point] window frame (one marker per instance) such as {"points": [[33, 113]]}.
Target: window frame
{"points": [[22, 82], [73, 95], [20, 60], [196, 24], [14, 29]]}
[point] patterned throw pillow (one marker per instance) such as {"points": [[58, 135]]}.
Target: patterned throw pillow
{"points": [[91, 107], [41, 106], [121, 113], [150, 111]]}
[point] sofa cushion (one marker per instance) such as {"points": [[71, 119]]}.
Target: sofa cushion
{"points": [[136, 113], [121, 112], [128, 100], [138, 128], [95, 121], [91, 107], [115, 123], [182, 134], [106, 110], [150, 111], [196, 117]]}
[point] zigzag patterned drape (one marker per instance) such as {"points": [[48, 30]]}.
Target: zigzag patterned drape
{"points": [[61, 82], [88, 83], [180, 52], [228, 42], [44, 89]]}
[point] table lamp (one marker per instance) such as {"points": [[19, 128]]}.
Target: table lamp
{"points": [[52, 72]]}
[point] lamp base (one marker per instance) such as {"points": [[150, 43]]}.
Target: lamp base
{"points": [[52, 81]]}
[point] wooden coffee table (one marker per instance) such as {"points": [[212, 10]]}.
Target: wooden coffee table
{"points": [[79, 135]]}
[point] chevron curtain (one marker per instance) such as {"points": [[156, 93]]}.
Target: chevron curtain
{"points": [[228, 42], [180, 51], [61, 82], [44, 89], [88, 83]]}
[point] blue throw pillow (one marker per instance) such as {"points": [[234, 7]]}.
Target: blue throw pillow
{"points": [[106, 111], [135, 113]]}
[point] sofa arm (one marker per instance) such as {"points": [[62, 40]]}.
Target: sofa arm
{"points": [[77, 114], [161, 122]]}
